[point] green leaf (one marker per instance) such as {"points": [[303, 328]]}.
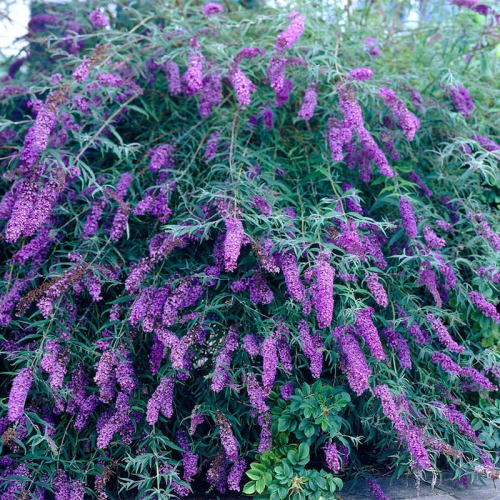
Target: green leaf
{"points": [[293, 457], [254, 475], [249, 488], [287, 469], [260, 485], [338, 482], [303, 451], [283, 424], [320, 481], [259, 467]]}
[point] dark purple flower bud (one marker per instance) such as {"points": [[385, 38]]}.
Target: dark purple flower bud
{"points": [[212, 145], [283, 94], [259, 289], [262, 206], [81, 104], [416, 448], [268, 118], [35, 249], [284, 347], [145, 205], [492, 238], [286, 391], [486, 143], [42, 207], [376, 490], [61, 485], [443, 334], [94, 286], [413, 177], [7, 203], [16, 66], [112, 422], [124, 370], [156, 355], [337, 137], [351, 202]]}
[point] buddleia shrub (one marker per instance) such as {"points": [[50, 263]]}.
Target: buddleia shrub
{"points": [[242, 248]]}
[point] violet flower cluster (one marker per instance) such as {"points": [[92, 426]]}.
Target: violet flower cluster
{"points": [[376, 288]]}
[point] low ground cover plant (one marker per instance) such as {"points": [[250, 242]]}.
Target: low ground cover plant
{"points": [[243, 247]]}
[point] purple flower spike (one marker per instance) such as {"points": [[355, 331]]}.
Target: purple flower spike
{"points": [[484, 306], [18, 393], [309, 104], [408, 217], [292, 33]]}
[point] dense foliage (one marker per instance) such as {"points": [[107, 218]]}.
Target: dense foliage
{"points": [[248, 249]]}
